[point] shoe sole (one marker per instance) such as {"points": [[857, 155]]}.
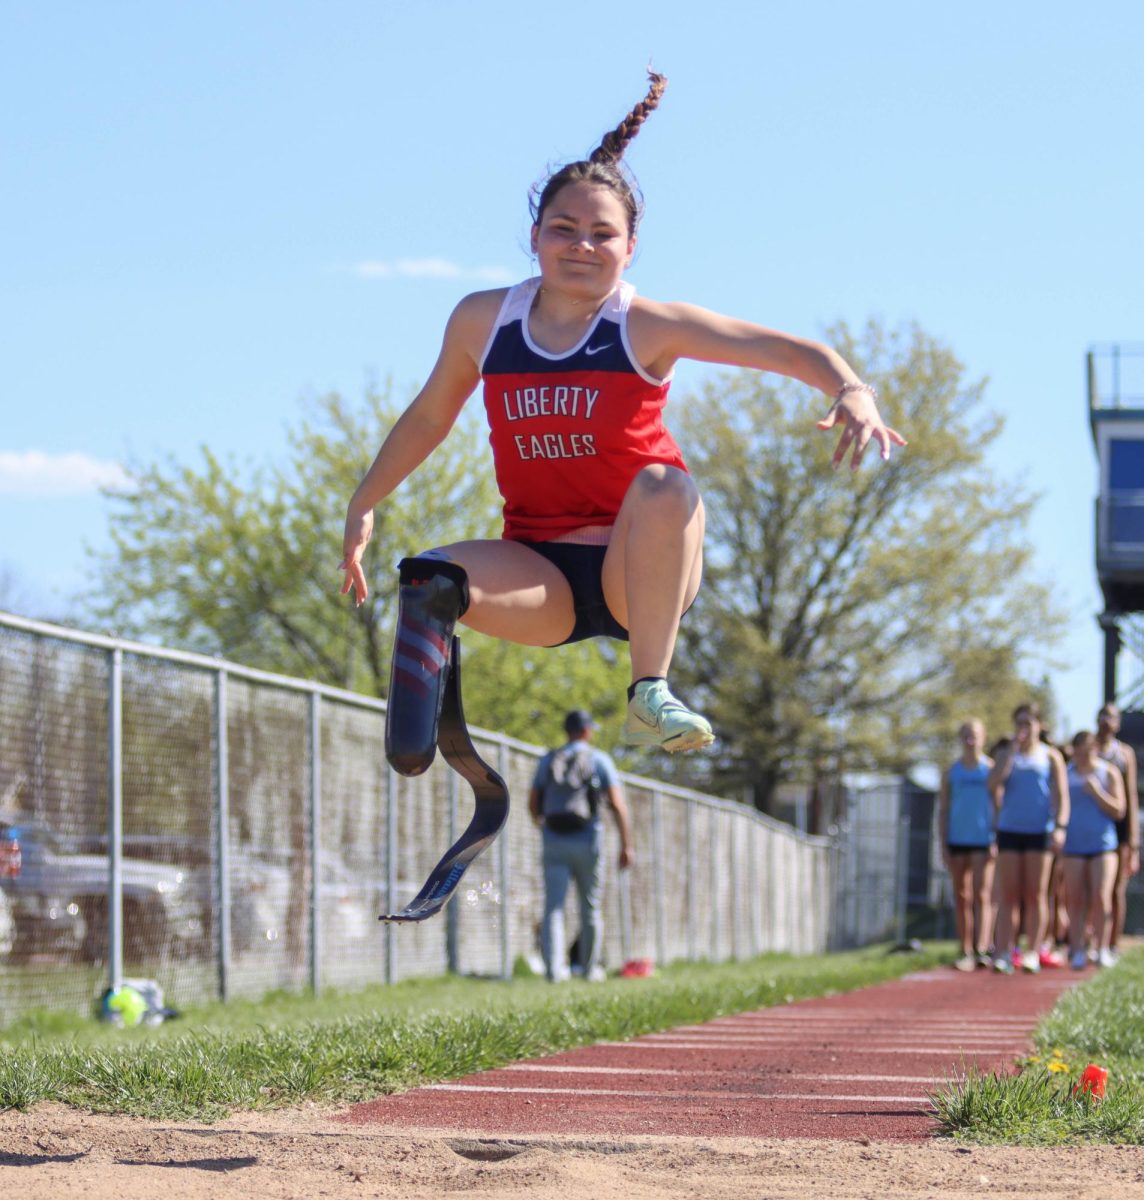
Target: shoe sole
{"points": [[691, 739]]}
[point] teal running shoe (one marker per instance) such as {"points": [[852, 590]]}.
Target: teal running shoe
{"points": [[656, 718]]}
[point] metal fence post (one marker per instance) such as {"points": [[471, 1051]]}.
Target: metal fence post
{"points": [[504, 908], [452, 911], [713, 880], [692, 883], [222, 833], [315, 790], [115, 820], [754, 940], [734, 915], [902, 871], [390, 872], [657, 844]]}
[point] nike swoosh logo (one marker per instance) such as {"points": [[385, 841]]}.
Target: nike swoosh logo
{"points": [[597, 349]]}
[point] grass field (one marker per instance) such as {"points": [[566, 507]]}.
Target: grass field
{"points": [[339, 1048], [1100, 1022]]}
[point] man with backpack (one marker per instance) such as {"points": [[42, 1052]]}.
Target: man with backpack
{"points": [[567, 792]]}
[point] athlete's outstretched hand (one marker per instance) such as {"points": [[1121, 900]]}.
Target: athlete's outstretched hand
{"points": [[858, 412], [359, 529]]}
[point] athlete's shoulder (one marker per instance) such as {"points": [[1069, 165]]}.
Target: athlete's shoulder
{"points": [[676, 311], [472, 321], [658, 310], [480, 307]]}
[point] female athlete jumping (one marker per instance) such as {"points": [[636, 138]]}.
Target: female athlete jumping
{"points": [[603, 526]]}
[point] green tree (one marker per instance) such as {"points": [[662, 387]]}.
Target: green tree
{"points": [[848, 619], [242, 563]]}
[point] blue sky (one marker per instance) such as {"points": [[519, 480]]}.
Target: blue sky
{"points": [[209, 211]]}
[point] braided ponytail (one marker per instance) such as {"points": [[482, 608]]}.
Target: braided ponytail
{"points": [[605, 166], [611, 148]]}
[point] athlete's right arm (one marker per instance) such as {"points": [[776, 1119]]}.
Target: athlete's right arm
{"points": [[1000, 771], [421, 427], [943, 814]]}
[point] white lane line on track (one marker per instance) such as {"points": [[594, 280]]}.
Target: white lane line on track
{"points": [[922, 1023], [856, 1022], [556, 1068], [840, 1043], [904, 1037], [777, 1030], [804, 1076], [492, 1089], [844, 1050]]}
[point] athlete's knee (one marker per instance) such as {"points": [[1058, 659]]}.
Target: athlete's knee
{"points": [[433, 593], [666, 487]]}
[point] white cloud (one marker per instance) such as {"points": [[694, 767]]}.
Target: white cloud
{"points": [[33, 473], [430, 268]]}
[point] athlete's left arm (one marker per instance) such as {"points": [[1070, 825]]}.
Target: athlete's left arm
{"points": [[1132, 799], [1059, 790], [662, 334]]}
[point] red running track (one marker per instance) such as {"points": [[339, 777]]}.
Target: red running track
{"points": [[854, 1065]]}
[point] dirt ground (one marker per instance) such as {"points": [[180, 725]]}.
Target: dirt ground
{"points": [[54, 1153]]}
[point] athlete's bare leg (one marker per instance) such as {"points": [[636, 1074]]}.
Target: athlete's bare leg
{"points": [[1010, 879], [1120, 893], [654, 563], [1035, 896], [515, 594]]}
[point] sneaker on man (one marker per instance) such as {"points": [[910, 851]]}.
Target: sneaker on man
{"points": [[984, 960], [1106, 958], [1003, 966], [965, 963], [656, 718], [1078, 961], [1050, 958], [1031, 963], [597, 974]]}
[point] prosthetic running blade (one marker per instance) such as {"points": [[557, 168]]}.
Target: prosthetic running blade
{"points": [[490, 792]]}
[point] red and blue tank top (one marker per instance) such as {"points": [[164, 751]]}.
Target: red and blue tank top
{"points": [[570, 431]]}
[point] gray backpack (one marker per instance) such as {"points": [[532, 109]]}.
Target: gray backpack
{"points": [[571, 795]]}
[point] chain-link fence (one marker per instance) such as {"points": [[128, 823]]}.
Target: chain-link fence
{"points": [[228, 832]]}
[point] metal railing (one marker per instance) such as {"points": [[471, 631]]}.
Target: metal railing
{"points": [[1115, 375]]}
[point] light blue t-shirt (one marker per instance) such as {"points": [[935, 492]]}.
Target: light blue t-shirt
{"points": [[1026, 806], [1091, 830], [970, 806], [602, 765]]}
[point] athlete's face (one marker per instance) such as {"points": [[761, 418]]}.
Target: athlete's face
{"points": [[582, 242], [1083, 756], [972, 735], [1026, 729]]}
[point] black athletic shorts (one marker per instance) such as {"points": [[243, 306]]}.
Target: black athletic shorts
{"points": [[583, 567], [959, 848], [1023, 843], [1122, 831]]}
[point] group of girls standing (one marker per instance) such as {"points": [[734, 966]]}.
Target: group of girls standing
{"points": [[1025, 821]]}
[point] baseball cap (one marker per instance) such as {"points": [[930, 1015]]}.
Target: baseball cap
{"points": [[577, 721]]}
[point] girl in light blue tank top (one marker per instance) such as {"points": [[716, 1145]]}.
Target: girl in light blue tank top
{"points": [[965, 825], [1029, 778], [1026, 802], [1096, 794], [970, 821]]}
